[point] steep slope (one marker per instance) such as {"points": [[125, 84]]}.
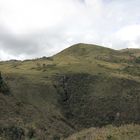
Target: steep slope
{"points": [[99, 100], [83, 86], [25, 115]]}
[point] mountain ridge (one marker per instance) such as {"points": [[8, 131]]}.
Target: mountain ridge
{"points": [[77, 46], [81, 87]]}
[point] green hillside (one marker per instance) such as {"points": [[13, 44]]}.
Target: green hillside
{"points": [[127, 132], [81, 87]]}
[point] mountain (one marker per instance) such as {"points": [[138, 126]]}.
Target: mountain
{"points": [[81, 87]]}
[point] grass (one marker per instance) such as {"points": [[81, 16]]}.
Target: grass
{"points": [[126, 132], [83, 86]]}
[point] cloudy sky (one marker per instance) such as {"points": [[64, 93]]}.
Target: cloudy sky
{"points": [[35, 28]]}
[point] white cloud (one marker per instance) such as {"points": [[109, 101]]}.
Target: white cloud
{"points": [[33, 28], [130, 32]]}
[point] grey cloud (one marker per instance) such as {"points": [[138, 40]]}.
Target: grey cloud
{"points": [[39, 44], [85, 26], [18, 45]]}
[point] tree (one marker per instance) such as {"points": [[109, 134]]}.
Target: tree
{"points": [[1, 80], [3, 86]]}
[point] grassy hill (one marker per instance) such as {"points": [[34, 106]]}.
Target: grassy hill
{"points": [[81, 87]]}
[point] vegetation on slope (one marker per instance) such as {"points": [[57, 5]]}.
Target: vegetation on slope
{"points": [[99, 101], [83, 86], [3, 86], [127, 132]]}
